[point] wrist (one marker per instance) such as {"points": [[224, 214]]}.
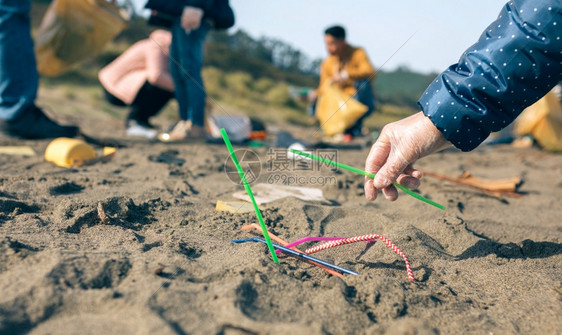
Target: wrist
{"points": [[437, 140]]}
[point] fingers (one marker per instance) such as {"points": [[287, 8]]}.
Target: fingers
{"points": [[389, 165], [196, 24], [413, 172], [370, 191], [188, 26], [377, 156], [401, 143], [389, 172], [390, 193], [191, 18], [408, 181], [410, 178]]}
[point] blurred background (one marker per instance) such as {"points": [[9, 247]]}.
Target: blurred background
{"points": [[266, 64]]}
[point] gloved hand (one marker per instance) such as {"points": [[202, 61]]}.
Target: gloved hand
{"points": [[191, 18], [399, 145]]}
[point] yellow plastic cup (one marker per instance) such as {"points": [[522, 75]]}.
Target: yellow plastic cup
{"points": [[69, 152]]}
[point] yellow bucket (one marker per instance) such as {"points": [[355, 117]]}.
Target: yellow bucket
{"points": [[69, 152]]}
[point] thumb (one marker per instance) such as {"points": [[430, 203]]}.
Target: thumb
{"points": [[378, 154], [389, 172]]}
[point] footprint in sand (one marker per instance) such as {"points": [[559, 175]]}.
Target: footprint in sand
{"points": [[119, 211], [66, 188], [168, 157], [317, 219], [84, 273], [192, 252], [11, 207]]}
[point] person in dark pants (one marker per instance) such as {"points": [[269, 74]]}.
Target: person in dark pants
{"points": [[19, 80], [192, 20]]}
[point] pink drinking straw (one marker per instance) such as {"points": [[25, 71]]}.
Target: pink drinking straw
{"points": [[310, 238], [332, 242], [362, 238]]}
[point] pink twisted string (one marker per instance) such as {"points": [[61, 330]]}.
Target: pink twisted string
{"points": [[362, 238]]}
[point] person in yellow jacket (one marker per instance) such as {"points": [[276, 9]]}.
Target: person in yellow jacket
{"points": [[349, 69]]}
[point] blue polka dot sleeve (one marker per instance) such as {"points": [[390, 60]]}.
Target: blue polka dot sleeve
{"points": [[516, 61]]}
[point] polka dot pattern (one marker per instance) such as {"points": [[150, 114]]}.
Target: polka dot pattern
{"points": [[516, 61]]}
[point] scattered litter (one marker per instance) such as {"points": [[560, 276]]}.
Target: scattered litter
{"points": [[309, 238], [364, 238], [265, 193], [234, 206], [239, 127], [109, 151], [297, 146], [496, 188], [17, 151], [159, 270], [70, 152], [333, 242], [250, 194], [284, 139], [298, 254], [101, 214], [366, 174], [284, 243]]}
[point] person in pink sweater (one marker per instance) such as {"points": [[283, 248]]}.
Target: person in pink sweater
{"points": [[140, 78]]}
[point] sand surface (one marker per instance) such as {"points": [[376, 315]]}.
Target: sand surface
{"points": [[163, 262]]}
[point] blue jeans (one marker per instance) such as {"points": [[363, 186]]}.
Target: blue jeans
{"points": [[365, 96], [18, 70], [186, 62]]}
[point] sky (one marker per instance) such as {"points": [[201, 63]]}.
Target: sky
{"points": [[441, 29]]}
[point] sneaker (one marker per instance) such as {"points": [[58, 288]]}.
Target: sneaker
{"points": [[140, 122], [137, 129], [34, 124], [183, 131]]}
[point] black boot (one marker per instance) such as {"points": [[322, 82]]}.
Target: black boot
{"points": [[34, 124], [148, 102]]}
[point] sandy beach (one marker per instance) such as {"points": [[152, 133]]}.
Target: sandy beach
{"points": [[163, 263]]}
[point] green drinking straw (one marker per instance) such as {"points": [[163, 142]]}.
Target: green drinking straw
{"points": [[250, 194], [367, 174]]}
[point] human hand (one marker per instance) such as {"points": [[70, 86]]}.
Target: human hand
{"points": [[399, 145], [339, 77], [191, 18]]}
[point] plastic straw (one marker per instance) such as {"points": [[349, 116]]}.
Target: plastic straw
{"points": [[369, 237], [250, 194], [367, 174], [311, 238], [298, 254], [284, 243]]}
